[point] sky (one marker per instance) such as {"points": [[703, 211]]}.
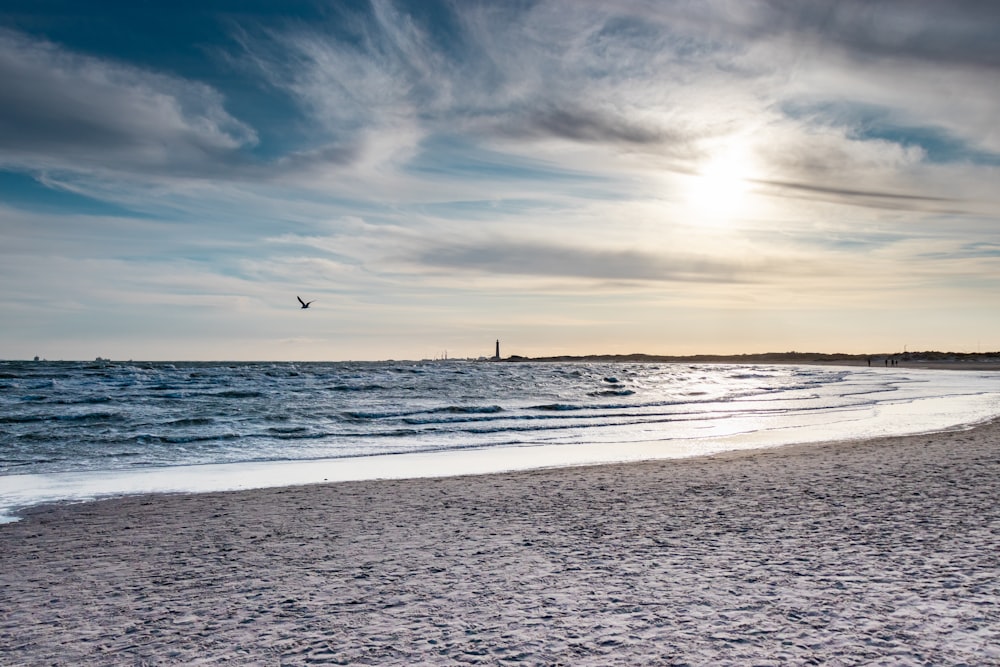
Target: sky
{"points": [[567, 176]]}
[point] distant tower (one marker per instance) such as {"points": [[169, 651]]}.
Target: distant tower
{"points": [[497, 356]]}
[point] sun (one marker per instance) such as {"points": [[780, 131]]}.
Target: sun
{"points": [[718, 192]]}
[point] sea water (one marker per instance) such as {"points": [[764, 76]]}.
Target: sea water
{"points": [[75, 431]]}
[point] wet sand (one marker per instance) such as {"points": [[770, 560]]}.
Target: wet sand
{"points": [[880, 552]]}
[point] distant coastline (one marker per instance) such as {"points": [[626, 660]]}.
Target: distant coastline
{"points": [[930, 359], [927, 359]]}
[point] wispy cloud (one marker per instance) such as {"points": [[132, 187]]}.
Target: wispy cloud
{"points": [[506, 257], [867, 198], [395, 154]]}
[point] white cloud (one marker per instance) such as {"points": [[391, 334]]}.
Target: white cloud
{"points": [[65, 110], [533, 167]]}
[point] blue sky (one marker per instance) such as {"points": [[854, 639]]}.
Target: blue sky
{"points": [[568, 176]]}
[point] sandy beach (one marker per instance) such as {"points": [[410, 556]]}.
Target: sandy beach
{"points": [[880, 552]]}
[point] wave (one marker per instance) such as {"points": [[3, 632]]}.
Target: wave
{"points": [[366, 416], [468, 409], [87, 400], [355, 415], [303, 435], [291, 430], [17, 463], [87, 417], [93, 416], [236, 393], [558, 407], [116, 455], [190, 421], [151, 439], [350, 387]]}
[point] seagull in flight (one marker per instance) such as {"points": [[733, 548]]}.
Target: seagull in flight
{"points": [[305, 304]]}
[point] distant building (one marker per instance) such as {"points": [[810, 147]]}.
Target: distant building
{"points": [[497, 355]]}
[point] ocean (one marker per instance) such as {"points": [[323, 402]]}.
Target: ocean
{"points": [[75, 430]]}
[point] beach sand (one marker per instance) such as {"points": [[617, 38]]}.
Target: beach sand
{"points": [[880, 552]]}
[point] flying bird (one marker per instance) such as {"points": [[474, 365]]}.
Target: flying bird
{"points": [[305, 304]]}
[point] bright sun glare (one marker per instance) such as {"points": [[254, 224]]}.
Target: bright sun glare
{"points": [[718, 192]]}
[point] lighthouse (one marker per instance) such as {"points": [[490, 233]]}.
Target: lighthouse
{"points": [[497, 355]]}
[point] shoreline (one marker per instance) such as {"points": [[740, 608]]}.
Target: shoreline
{"points": [[20, 492], [837, 552]]}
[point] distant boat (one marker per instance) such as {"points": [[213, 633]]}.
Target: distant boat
{"points": [[305, 304]]}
